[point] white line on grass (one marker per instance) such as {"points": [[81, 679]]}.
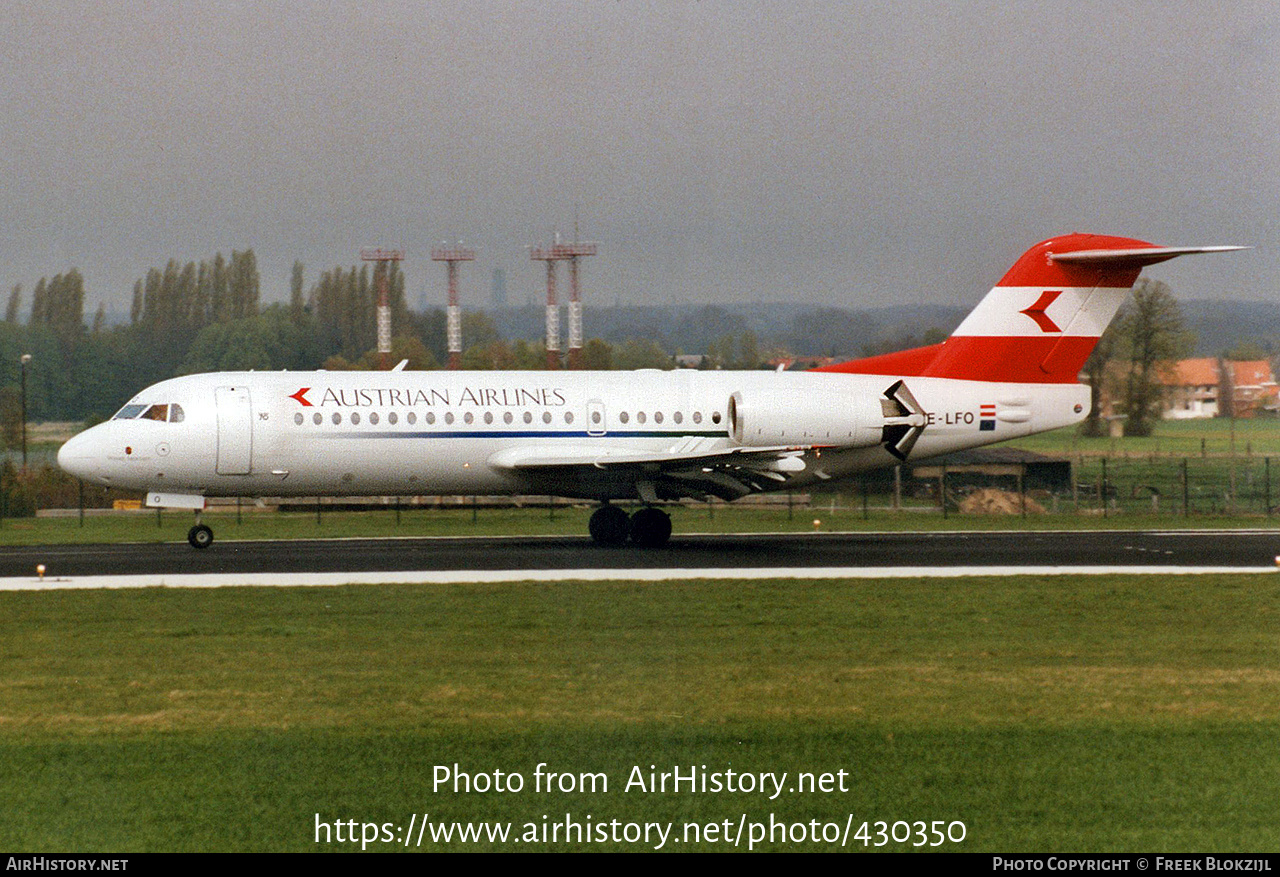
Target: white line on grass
{"points": [[449, 577]]}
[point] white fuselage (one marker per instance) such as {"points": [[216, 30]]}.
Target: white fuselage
{"points": [[431, 433]]}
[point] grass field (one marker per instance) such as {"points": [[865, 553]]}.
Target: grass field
{"points": [[1092, 713], [846, 515], [1179, 438]]}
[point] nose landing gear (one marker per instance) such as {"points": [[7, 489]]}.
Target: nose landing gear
{"points": [[649, 527], [200, 536]]}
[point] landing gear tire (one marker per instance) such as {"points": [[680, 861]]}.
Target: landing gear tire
{"points": [[609, 525], [200, 536], [650, 527]]}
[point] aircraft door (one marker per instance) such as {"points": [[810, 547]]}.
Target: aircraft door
{"points": [[235, 430], [596, 424]]}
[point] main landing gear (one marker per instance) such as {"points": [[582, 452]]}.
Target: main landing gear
{"points": [[648, 527]]}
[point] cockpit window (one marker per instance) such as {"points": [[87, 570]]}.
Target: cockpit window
{"points": [[129, 412], [172, 413]]}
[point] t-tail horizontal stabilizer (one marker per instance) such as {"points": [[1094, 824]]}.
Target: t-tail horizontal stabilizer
{"points": [[904, 420], [1137, 256]]}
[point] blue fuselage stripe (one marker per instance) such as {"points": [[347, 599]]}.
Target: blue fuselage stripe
{"points": [[497, 433]]}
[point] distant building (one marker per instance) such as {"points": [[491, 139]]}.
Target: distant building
{"points": [[799, 363], [1192, 389], [691, 360], [1210, 387], [1253, 388]]}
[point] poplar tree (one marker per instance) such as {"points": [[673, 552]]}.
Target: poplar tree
{"points": [[243, 285], [297, 304], [220, 309], [136, 308], [38, 304]]}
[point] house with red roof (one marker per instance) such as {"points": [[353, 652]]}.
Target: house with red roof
{"points": [[1209, 387]]}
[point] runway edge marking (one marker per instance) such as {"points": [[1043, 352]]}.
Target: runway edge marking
{"points": [[450, 577]]}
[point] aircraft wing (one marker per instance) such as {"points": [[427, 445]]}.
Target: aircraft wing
{"points": [[727, 473]]}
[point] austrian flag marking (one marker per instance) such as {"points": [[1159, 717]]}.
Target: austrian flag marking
{"points": [[986, 418], [301, 396]]}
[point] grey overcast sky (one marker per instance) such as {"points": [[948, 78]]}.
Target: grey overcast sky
{"points": [[856, 153]]}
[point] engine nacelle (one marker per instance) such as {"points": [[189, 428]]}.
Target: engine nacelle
{"points": [[763, 419]]}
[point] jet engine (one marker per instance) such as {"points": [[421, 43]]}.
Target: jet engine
{"points": [[765, 419]]}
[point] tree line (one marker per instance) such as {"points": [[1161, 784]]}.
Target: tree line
{"points": [[190, 317], [205, 316]]}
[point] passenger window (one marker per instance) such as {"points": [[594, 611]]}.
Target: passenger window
{"points": [[528, 417], [568, 417], [697, 417], [678, 417], [317, 418], [595, 417], [297, 418], [507, 418], [337, 418], [175, 413], [488, 417], [468, 417], [640, 417], [355, 417], [624, 417], [448, 417], [715, 417], [413, 418], [392, 418], [373, 418], [657, 417], [546, 417]]}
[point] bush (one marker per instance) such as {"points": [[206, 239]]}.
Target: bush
{"points": [[48, 487]]}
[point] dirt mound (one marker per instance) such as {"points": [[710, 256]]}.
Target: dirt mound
{"points": [[990, 501]]}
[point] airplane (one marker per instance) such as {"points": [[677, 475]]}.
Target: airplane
{"points": [[1009, 370]]}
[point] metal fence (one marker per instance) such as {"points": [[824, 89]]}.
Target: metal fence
{"points": [[1186, 486], [1099, 485]]}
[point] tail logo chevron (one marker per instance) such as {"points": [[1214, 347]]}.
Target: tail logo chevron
{"points": [[1037, 310]]}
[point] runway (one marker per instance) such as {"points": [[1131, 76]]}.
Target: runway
{"points": [[823, 555]]}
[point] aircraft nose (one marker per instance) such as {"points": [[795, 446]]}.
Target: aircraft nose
{"points": [[76, 456]]}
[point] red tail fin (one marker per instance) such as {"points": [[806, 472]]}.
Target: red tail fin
{"points": [[1041, 321]]}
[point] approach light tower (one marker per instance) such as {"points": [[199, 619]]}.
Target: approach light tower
{"points": [[546, 254], [382, 275], [570, 253], [451, 256]]}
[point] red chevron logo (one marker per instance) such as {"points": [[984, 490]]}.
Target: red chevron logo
{"points": [[301, 396], [1037, 310]]}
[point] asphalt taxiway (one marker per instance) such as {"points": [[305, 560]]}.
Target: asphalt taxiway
{"points": [[720, 556]]}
